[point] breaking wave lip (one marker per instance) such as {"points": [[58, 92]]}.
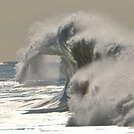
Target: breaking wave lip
{"points": [[97, 61]]}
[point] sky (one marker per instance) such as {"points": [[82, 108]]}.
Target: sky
{"points": [[17, 17]]}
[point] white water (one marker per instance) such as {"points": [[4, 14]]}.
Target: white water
{"points": [[12, 97], [97, 57]]}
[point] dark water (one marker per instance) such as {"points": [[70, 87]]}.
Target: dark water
{"points": [[7, 71]]}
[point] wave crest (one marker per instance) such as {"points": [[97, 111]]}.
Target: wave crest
{"points": [[97, 61]]}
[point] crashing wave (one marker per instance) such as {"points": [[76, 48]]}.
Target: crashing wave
{"points": [[97, 61]]}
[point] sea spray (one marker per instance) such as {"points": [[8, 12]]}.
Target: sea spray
{"points": [[97, 61], [78, 29], [109, 95]]}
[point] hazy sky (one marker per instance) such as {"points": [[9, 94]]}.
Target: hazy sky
{"points": [[17, 16]]}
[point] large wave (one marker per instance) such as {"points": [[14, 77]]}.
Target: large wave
{"points": [[97, 61]]}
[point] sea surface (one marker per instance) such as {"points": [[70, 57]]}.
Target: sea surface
{"points": [[14, 97]]}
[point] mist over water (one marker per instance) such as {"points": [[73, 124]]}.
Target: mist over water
{"points": [[96, 58]]}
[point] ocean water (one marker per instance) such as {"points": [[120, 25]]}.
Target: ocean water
{"points": [[14, 97], [75, 76]]}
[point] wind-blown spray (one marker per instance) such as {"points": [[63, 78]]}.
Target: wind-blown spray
{"points": [[97, 60]]}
